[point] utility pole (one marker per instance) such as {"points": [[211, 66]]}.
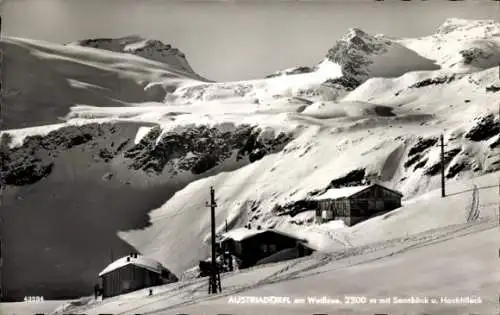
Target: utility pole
{"points": [[214, 281], [2, 241], [2, 257], [443, 193]]}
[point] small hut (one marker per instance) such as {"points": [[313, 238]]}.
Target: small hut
{"points": [[131, 273], [356, 204], [251, 246]]}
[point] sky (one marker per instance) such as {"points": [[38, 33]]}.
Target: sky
{"points": [[235, 40]]}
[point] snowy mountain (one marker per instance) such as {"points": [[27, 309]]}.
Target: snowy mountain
{"points": [[425, 250], [362, 56], [138, 137], [46, 80], [147, 48], [462, 45]]}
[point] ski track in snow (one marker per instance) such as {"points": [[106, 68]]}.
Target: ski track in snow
{"points": [[313, 265]]}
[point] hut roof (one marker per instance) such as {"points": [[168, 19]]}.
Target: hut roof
{"points": [[140, 261], [241, 234], [345, 192]]}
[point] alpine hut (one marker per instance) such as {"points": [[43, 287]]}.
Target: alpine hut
{"points": [[356, 204], [255, 246], [131, 273]]}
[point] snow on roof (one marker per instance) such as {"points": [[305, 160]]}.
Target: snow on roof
{"points": [[140, 261], [336, 193], [240, 234]]}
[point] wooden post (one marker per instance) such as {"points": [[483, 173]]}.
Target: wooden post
{"points": [[213, 286], [443, 193], [2, 258]]}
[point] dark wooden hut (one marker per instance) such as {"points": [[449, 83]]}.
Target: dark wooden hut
{"points": [[132, 273], [250, 246], [356, 204]]}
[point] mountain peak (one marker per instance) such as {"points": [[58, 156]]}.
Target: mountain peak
{"points": [[464, 25], [352, 52], [355, 32], [359, 39], [152, 49]]}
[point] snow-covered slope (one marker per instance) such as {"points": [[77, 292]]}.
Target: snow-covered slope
{"points": [[147, 48], [461, 45], [362, 56], [401, 258], [372, 110], [42, 81]]}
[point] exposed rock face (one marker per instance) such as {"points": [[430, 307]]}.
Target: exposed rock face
{"points": [[473, 54], [420, 164], [147, 48], [352, 50], [412, 160], [200, 149], [463, 25], [353, 178], [291, 71], [294, 208], [76, 174], [455, 169], [495, 144], [433, 81], [485, 128], [422, 145], [492, 88], [33, 161], [196, 149], [435, 168], [348, 83]]}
